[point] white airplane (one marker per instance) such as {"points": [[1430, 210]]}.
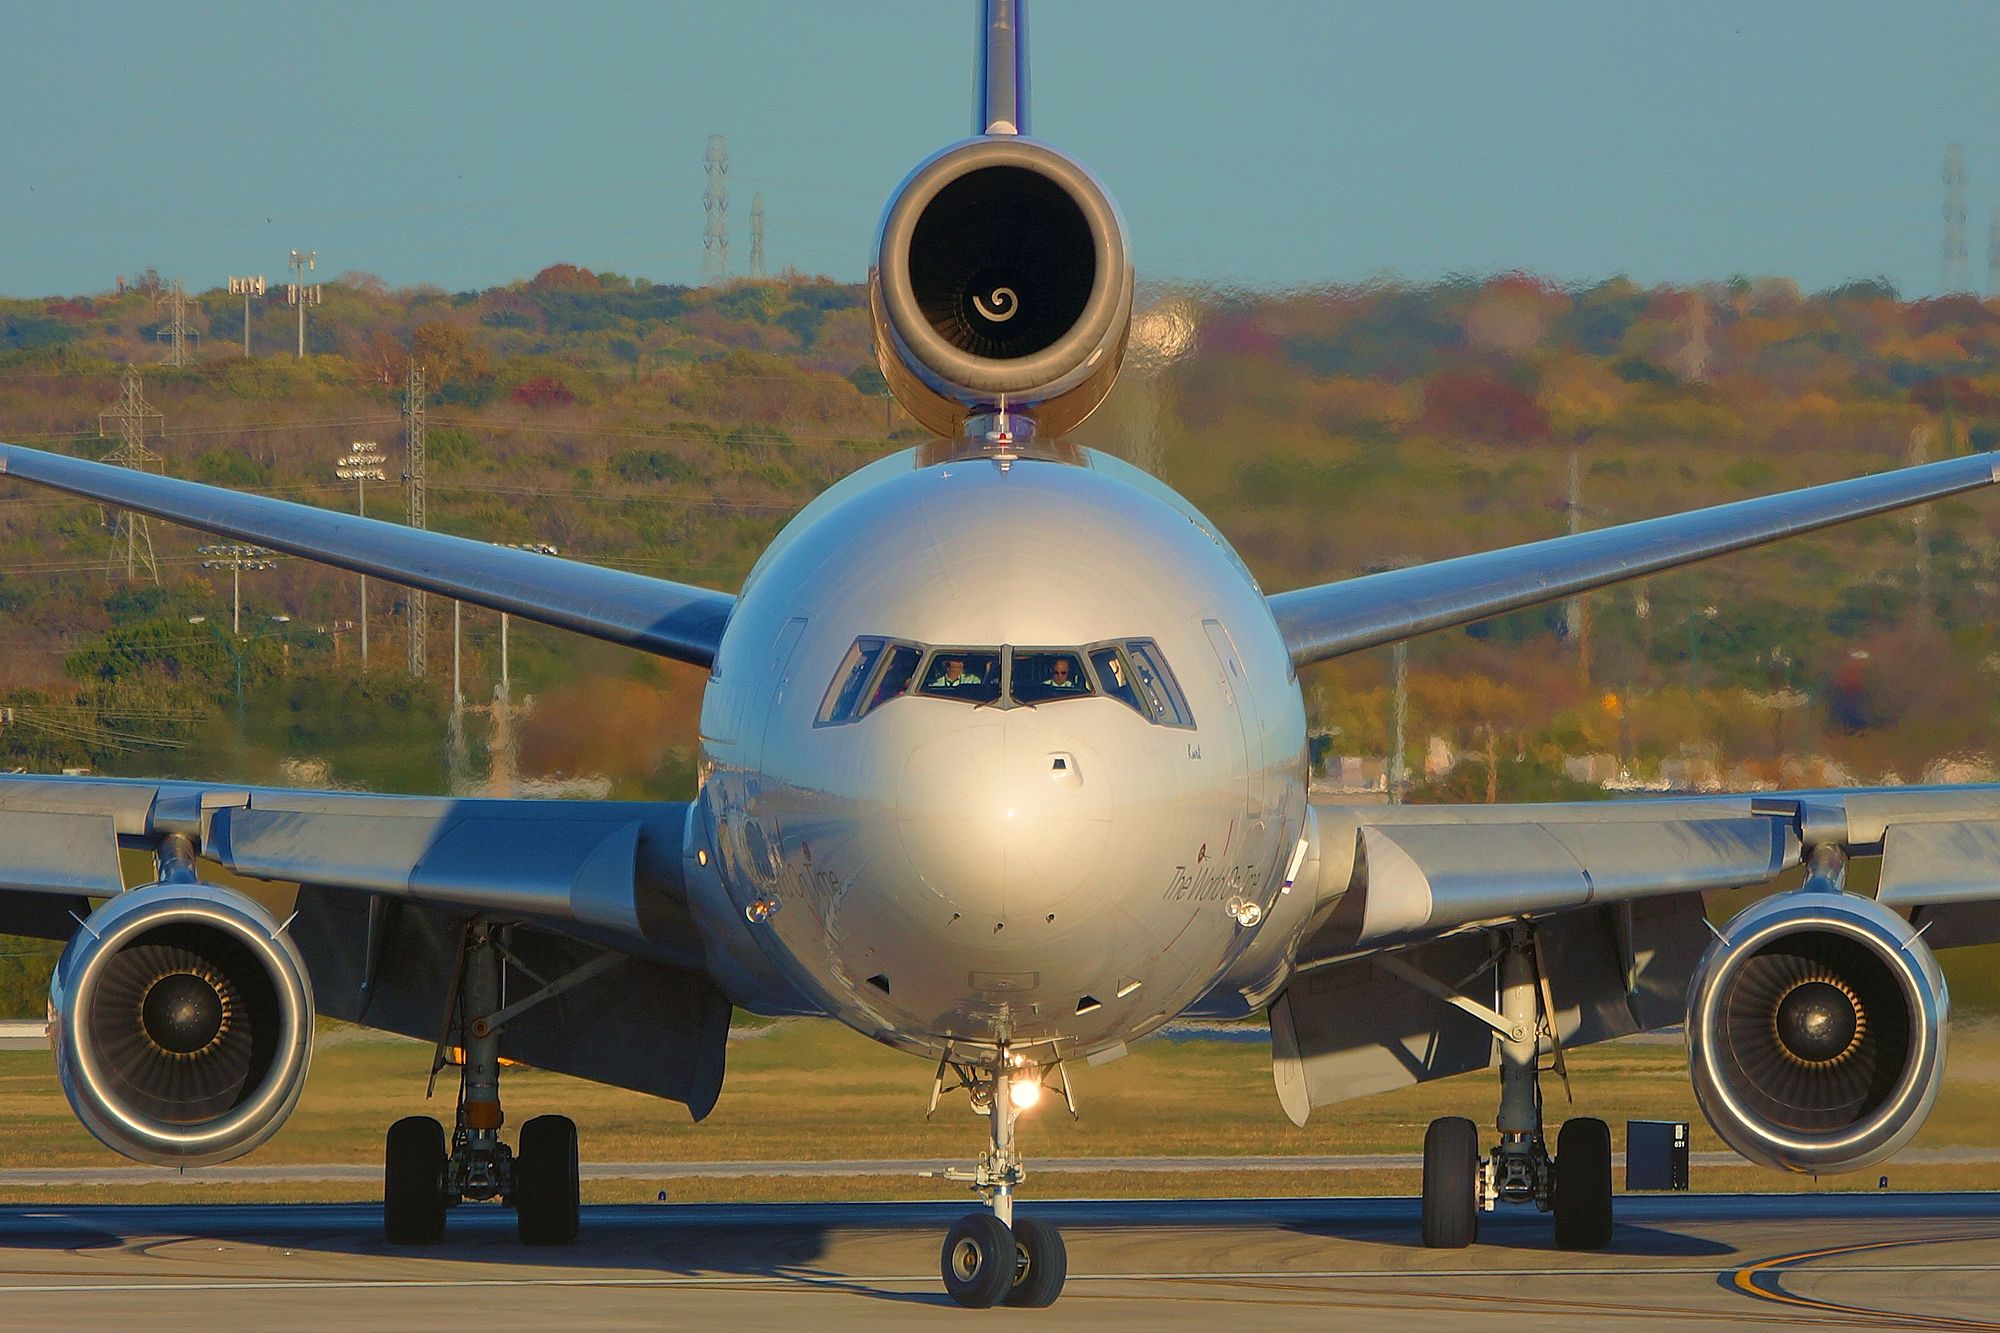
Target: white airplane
{"points": [[1002, 763]]}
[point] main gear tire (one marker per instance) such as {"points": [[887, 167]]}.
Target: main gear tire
{"points": [[1451, 1183]]}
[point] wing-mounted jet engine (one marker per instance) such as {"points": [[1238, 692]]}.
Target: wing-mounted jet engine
{"points": [[1001, 278], [1815, 1031], [182, 1024]]}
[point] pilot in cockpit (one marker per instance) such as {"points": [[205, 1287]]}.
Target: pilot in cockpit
{"points": [[953, 676], [1061, 676]]}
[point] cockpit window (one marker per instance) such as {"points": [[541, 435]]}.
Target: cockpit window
{"points": [[877, 669], [972, 674], [896, 675], [1157, 685], [874, 671], [1135, 673], [1042, 675], [843, 698]]}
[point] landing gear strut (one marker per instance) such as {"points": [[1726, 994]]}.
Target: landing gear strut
{"points": [[421, 1179], [993, 1257], [1460, 1182]]}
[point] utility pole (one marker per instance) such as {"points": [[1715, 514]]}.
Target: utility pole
{"points": [[757, 236], [1920, 524], [715, 207], [1576, 614], [361, 464], [413, 483], [1954, 272], [1398, 777], [132, 414], [302, 294], [246, 288]]}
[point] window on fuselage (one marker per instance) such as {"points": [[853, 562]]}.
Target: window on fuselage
{"points": [[971, 674], [1042, 675]]}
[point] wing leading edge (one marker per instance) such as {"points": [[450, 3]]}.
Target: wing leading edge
{"points": [[1335, 618], [673, 620]]}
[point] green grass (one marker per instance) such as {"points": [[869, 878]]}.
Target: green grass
{"points": [[814, 1090]]}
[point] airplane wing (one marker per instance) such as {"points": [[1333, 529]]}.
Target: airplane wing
{"points": [[1394, 898], [596, 889], [672, 620], [1335, 618]]}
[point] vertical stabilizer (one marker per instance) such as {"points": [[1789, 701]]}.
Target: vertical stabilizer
{"points": [[1003, 69]]}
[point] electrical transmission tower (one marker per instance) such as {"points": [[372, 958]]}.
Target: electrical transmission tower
{"points": [[757, 236], [177, 328], [715, 206], [1955, 271], [132, 414], [1993, 256], [413, 479]]}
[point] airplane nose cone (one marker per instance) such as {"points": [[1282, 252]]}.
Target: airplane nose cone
{"points": [[1005, 818]]}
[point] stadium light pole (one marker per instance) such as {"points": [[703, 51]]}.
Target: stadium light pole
{"points": [[303, 294], [361, 464], [236, 558], [246, 288]]}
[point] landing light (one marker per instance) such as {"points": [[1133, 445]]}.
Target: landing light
{"points": [[1024, 1093]]}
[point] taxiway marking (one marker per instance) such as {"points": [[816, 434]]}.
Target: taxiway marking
{"points": [[1764, 1281]]}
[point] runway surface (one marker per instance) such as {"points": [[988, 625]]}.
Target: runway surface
{"points": [[1865, 1260]]}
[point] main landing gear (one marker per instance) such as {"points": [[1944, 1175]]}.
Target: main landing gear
{"points": [[421, 1178], [1459, 1181], [993, 1257]]}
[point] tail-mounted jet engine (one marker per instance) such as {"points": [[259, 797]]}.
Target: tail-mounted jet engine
{"points": [[1815, 1032], [182, 1024], [1001, 276]]}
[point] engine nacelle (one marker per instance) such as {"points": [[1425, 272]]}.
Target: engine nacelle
{"points": [[1001, 274], [182, 1020], [1816, 1032]]}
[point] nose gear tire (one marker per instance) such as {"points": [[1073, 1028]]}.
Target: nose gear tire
{"points": [[1583, 1185], [978, 1260], [1451, 1183], [413, 1201], [546, 1190], [1041, 1262]]}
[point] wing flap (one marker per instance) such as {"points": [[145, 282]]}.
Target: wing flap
{"points": [[1354, 1028], [1937, 863], [607, 871], [583, 868], [647, 1025], [74, 854], [1412, 880]]}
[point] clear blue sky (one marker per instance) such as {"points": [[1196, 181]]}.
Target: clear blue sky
{"points": [[1269, 143]]}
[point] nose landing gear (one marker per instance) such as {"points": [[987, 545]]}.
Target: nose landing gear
{"points": [[1460, 1182], [994, 1258], [421, 1179]]}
